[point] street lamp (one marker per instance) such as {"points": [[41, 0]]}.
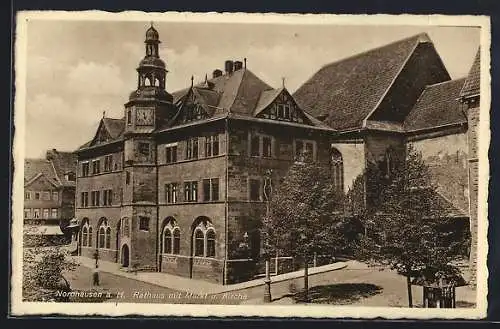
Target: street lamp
{"points": [[267, 280], [306, 269]]}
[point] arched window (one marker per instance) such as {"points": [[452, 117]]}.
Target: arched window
{"points": [[199, 243], [90, 237], [389, 162], [85, 235], [102, 237], [167, 240], [337, 169], [108, 237], [210, 243], [204, 238], [171, 237], [177, 241]]}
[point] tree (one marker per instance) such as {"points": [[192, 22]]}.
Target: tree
{"points": [[43, 270], [305, 215], [404, 221]]}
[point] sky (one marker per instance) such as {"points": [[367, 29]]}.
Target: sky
{"points": [[78, 69]]}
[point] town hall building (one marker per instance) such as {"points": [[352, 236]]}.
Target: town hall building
{"points": [[179, 184]]}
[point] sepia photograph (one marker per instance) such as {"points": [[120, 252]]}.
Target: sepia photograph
{"points": [[251, 165]]}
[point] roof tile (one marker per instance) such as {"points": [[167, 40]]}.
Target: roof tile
{"points": [[346, 91], [472, 84], [437, 106]]}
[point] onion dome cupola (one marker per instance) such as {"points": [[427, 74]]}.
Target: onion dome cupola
{"points": [[151, 79]]}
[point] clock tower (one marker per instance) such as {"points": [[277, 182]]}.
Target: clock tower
{"points": [[149, 107]]}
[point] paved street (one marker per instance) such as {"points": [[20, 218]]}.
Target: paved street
{"points": [[360, 285], [129, 290], [355, 285]]}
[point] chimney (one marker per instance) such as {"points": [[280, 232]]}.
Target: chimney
{"points": [[50, 154], [216, 73], [238, 65], [229, 66]]}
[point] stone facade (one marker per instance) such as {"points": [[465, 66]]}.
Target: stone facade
{"points": [[180, 183]]}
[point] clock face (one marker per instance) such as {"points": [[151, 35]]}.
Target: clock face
{"points": [[144, 116]]}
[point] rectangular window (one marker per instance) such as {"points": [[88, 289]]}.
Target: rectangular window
{"points": [[46, 213], [171, 193], [127, 177], [211, 189], [255, 146], [215, 189], [191, 191], [96, 167], [192, 148], [129, 117], [84, 199], [299, 148], [46, 195], [85, 169], [144, 223], [27, 213], [304, 148], [273, 112], [266, 147], [171, 154], [37, 195], [108, 163], [144, 149], [55, 195], [27, 195], [53, 213], [95, 198], [36, 213], [254, 189], [212, 145], [107, 197], [206, 190], [286, 111]]}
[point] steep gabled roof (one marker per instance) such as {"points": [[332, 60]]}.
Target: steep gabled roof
{"points": [[235, 91], [472, 83], [34, 167], [347, 91], [265, 99], [113, 128], [437, 106], [63, 163]]}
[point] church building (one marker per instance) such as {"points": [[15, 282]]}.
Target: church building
{"points": [[180, 182]]}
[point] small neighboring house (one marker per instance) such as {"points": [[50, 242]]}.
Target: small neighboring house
{"points": [[49, 193]]}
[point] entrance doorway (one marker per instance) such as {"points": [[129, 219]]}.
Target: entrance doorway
{"points": [[125, 256]]}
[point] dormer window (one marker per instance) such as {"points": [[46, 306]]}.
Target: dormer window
{"points": [[284, 111], [70, 176]]}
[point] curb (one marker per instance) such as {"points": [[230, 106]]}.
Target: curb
{"points": [[228, 288]]}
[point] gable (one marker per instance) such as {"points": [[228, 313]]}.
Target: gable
{"points": [[41, 182], [423, 68], [279, 105], [192, 108], [101, 136]]}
